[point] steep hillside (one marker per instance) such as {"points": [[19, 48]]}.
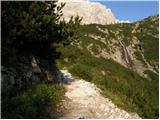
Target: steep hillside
{"points": [[122, 60]]}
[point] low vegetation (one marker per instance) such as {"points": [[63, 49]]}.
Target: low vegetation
{"points": [[126, 88], [33, 103], [149, 38]]}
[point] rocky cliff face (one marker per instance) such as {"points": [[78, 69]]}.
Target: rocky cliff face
{"points": [[20, 76], [27, 73], [91, 12]]}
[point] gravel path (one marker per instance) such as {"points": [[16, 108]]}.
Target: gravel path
{"points": [[83, 100]]}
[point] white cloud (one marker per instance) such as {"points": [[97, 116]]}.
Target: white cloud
{"points": [[124, 21]]}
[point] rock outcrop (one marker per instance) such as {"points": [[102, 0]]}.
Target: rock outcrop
{"points": [[24, 75], [91, 12], [19, 77]]}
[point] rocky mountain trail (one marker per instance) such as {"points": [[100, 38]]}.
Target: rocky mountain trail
{"points": [[84, 100]]}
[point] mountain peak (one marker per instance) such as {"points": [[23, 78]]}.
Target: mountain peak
{"points": [[92, 12]]}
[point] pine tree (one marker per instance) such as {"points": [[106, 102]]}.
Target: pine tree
{"points": [[33, 27]]}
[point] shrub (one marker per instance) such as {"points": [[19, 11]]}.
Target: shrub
{"points": [[32, 103]]}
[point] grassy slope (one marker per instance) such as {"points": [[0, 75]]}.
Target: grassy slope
{"points": [[149, 43], [126, 88]]}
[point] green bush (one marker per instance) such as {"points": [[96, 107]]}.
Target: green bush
{"points": [[83, 71], [32, 103]]}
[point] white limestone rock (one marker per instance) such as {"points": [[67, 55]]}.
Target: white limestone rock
{"points": [[92, 12]]}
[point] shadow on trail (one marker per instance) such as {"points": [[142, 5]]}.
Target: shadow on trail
{"points": [[66, 77]]}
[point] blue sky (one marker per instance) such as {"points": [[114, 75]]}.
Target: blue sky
{"points": [[132, 10]]}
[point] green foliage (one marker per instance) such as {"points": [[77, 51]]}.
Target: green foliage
{"points": [[95, 49], [139, 57], [83, 71], [89, 29], [124, 87], [32, 103], [34, 27], [150, 45], [149, 38], [152, 75], [69, 30]]}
